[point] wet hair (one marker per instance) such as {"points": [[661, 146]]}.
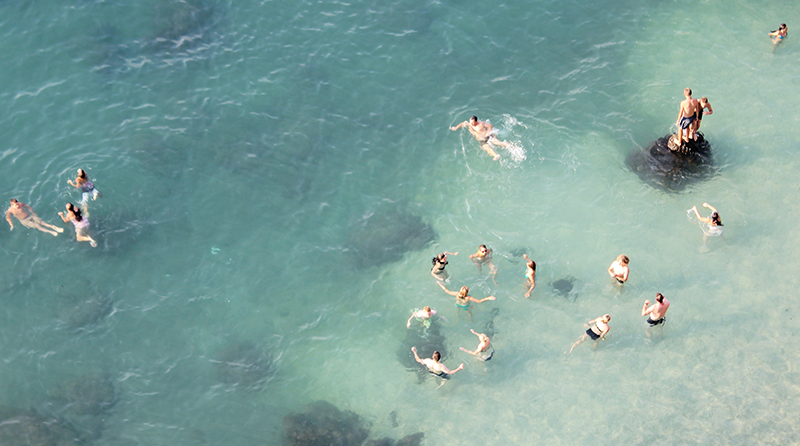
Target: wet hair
{"points": [[426, 309], [659, 298], [464, 291], [82, 174], [438, 259], [14, 200], [483, 246], [687, 90], [704, 99], [622, 258], [715, 219], [474, 118], [607, 317], [436, 356], [532, 264], [783, 26], [75, 211]]}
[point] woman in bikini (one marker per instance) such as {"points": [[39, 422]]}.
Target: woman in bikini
{"points": [[439, 262], [423, 316], [713, 227], [81, 224], [463, 299], [530, 275], [597, 329], [87, 187], [779, 34]]}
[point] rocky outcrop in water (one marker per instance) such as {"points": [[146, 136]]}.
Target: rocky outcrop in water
{"points": [[564, 286], [668, 166], [85, 402], [323, 424]]}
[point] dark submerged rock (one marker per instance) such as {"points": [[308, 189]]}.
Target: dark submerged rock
{"points": [[89, 395], [386, 441], [322, 424], [671, 167], [385, 235], [411, 440], [85, 313], [563, 287], [244, 364], [21, 428]]}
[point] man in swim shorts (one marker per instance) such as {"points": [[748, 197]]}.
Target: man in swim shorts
{"points": [[702, 105], [434, 366], [657, 311], [483, 132], [483, 351], [28, 218], [619, 269], [686, 115]]}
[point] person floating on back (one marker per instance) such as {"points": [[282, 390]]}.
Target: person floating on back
{"points": [[484, 133], [779, 34], [28, 218]]}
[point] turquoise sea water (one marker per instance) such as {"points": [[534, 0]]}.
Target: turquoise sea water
{"points": [[272, 172]]}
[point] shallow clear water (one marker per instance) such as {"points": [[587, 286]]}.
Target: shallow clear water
{"points": [[253, 154]]}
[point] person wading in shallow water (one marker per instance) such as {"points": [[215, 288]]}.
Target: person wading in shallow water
{"points": [[434, 366], [597, 329]]}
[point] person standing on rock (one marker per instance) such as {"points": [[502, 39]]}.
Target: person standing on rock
{"points": [[686, 117]]}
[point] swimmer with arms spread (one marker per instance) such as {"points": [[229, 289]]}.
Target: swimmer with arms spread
{"points": [[482, 351], [484, 257], [657, 311], [686, 115], [598, 329], [619, 269], [530, 274], [28, 218], [463, 299], [779, 34], [423, 316], [434, 366], [482, 131], [439, 262]]}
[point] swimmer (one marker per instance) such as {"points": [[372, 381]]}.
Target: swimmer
{"points": [[483, 132], [434, 366], [484, 257], [463, 299], [439, 262], [596, 331], [702, 105], [482, 352], [87, 187], [779, 34], [28, 218], [686, 114], [81, 224], [530, 275], [657, 311], [713, 226], [423, 316], [619, 269]]}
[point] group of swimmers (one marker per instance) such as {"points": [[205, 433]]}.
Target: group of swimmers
{"points": [[28, 218], [596, 329]]}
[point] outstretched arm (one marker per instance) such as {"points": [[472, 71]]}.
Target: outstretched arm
{"points": [[8, 219], [710, 110], [713, 209], [700, 217], [451, 253], [408, 324], [480, 301], [452, 372], [416, 356], [63, 217], [459, 126], [452, 293]]}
